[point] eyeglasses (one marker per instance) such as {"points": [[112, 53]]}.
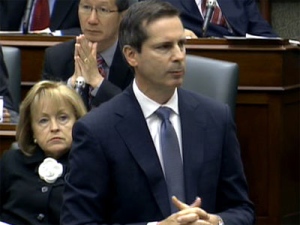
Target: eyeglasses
{"points": [[100, 11]]}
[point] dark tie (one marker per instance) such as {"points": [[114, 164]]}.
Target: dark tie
{"points": [[171, 156], [101, 66], [41, 15], [217, 17]]}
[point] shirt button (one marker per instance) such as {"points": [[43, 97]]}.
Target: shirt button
{"points": [[40, 217], [44, 189]]}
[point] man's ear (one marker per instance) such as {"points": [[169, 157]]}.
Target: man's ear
{"points": [[130, 55]]}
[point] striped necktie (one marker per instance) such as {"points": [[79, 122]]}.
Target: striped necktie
{"points": [[101, 66], [217, 17], [41, 15]]}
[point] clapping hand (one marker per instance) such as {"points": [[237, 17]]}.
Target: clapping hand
{"points": [[85, 57]]}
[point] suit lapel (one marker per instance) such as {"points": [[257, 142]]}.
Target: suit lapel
{"points": [[143, 149], [193, 140], [192, 8], [141, 146], [60, 11], [71, 63], [229, 12]]}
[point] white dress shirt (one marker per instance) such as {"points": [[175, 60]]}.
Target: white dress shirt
{"points": [[149, 107]]}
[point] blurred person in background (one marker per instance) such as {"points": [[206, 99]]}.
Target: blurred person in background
{"points": [[60, 16], [234, 18]]}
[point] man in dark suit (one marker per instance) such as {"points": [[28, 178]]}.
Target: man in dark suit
{"points": [[117, 162], [242, 17], [70, 60], [64, 16]]}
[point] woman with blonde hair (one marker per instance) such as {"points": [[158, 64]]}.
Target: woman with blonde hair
{"points": [[32, 177]]}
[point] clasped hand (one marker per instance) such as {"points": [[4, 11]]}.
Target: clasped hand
{"points": [[85, 57], [190, 215]]}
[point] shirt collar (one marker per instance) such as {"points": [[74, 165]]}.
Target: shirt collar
{"points": [[149, 106], [108, 54]]}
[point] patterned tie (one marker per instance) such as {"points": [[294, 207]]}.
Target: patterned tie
{"points": [[41, 15], [171, 156], [217, 17], [101, 66]]}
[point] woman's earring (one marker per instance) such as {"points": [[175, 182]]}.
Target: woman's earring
{"points": [[34, 140]]}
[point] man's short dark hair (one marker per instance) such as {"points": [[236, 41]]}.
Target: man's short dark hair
{"points": [[132, 28]]}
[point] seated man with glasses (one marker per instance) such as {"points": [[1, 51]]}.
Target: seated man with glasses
{"points": [[94, 55]]}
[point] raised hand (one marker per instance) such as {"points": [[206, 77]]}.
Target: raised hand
{"points": [[86, 61]]}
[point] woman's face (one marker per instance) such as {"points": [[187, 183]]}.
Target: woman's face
{"points": [[52, 124]]}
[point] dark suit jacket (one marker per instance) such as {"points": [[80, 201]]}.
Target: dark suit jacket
{"points": [[24, 197], [59, 65], [242, 15], [64, 16], [116, 176], [4, 91]]}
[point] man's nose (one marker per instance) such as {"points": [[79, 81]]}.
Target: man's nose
{"points": [[93, 17], [178, 53]]}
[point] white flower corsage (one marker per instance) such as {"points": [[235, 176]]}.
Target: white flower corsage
{"points": [[50, 170]]}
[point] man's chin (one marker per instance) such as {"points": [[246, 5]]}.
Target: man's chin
{"points": [[176, 83], [93, 39], [93, 36]]}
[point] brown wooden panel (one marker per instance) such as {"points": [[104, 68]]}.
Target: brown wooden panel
{"points": [[252, 134], [32, 63], [291, 70], [265, 9], [289, 156], [7, 136], [32, 55]]}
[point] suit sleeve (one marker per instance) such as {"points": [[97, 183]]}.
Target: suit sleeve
{"points": [[257, 24], [48, 73], [106, 91], [59, 66], [83, 203], [59, 61]]}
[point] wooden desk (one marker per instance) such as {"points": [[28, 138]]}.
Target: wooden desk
{"points": [[7, 136], [267, 117], [32, 55], [267, 114]]}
